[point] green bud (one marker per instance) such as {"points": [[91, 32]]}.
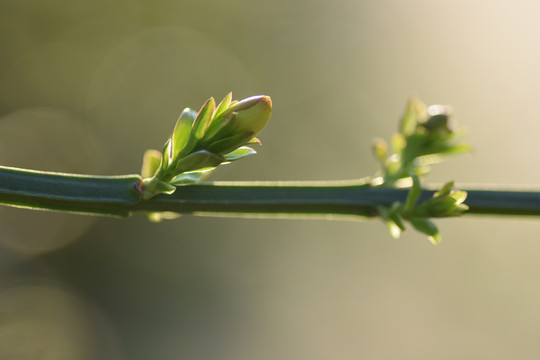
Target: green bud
{"points": [[427, 227], [438, 121], [252, 114], [151, 163], [248, 115], [380, 150]]}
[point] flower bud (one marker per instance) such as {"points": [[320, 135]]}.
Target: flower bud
{"points": [[252, 114], [238, 124], [438, 121]]}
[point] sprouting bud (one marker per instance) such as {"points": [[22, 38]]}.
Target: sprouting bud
{"points": [[238, 124], [203, 140], [438, 121], [252, 114], [380, 150], [249, 115]]}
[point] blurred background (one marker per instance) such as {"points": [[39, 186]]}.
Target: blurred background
{"points": [[88, 86]]}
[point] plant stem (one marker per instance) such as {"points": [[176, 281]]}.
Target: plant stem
{"points": [[117, 195], [105, 195], [324, 198]]}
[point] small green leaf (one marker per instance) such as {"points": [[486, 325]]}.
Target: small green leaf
{"points": [[428, 160], [218, 129], [421, 170], [239, 153], [416, 145], [396, 219], [435, 239], [223, 105], [231, 143], [392, 219], [460, 209], [445, 190], [166, 155], [427, 227], [192, 177], [414, 113], [392, 167], [151, 162], [199, 160], [220, 121], [182, 130], [254, 141], [459, 196], [394, 229], [398, 143], [380, 149], [163, 187], [204, 117], [414, 193], [441, 207]]}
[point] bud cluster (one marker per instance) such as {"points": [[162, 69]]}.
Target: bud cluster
{"points": [[425, 135], [447, 202], [203, 140]]}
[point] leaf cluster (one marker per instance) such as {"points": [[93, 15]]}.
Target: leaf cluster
{"points": [[424, 137], [447, 202]]}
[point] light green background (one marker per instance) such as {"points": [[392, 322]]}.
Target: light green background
{"points": [[87, 86]]}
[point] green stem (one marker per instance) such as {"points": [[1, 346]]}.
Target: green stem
{"points": [[105, 195], [117, 195]]}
